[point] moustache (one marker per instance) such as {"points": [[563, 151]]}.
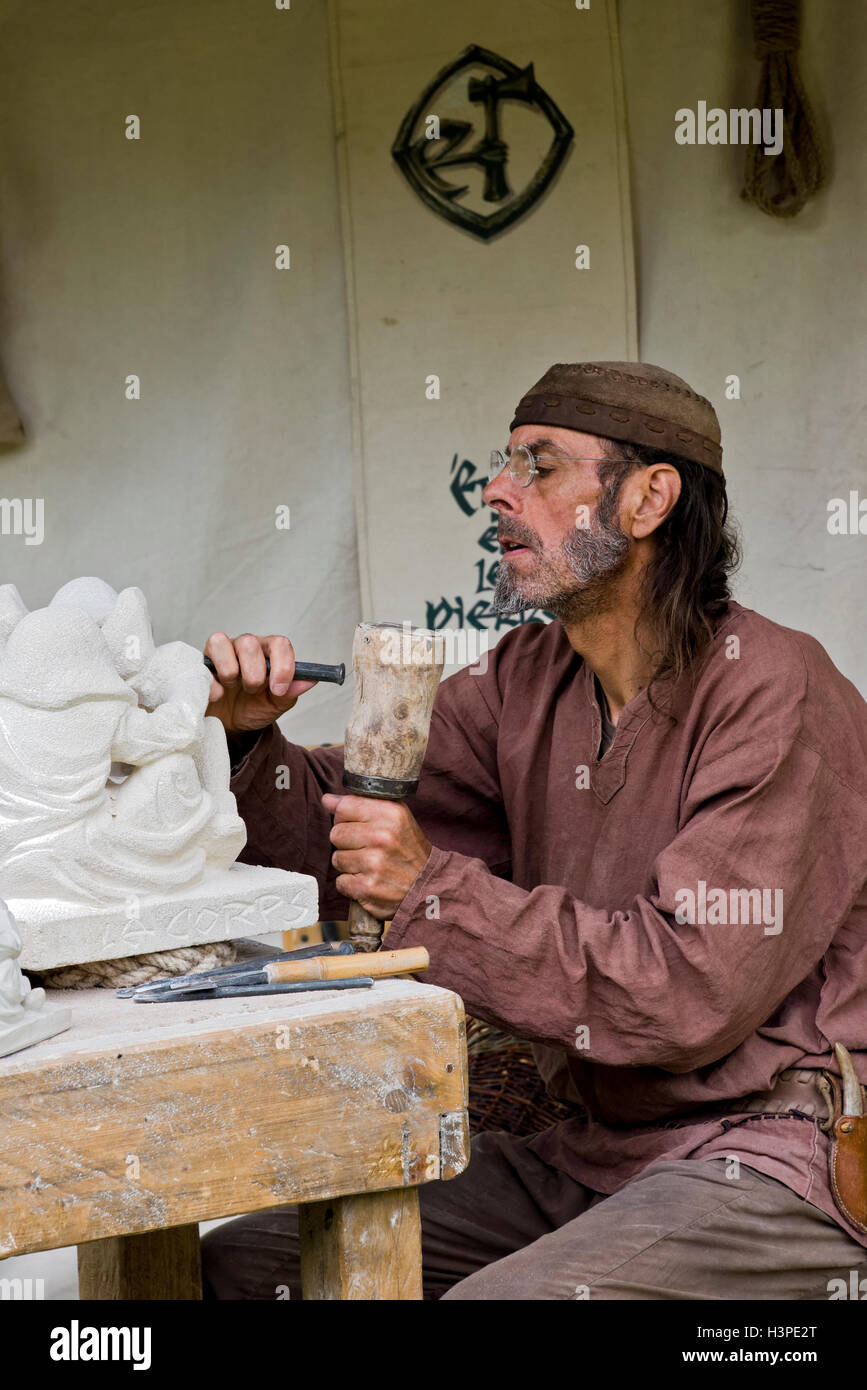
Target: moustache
{"points": [[521, 534]]}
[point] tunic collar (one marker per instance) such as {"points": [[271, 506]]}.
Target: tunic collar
{"points": [[608, 774]]}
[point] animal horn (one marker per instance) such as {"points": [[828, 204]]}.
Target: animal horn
{"points": [[853, 1103]]}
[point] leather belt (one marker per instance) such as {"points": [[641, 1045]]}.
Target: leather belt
{"points": [[798, 1090], [838, 1104]]}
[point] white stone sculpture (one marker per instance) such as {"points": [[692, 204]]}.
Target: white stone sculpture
{"points": [[118, 832], [24, 1019]]}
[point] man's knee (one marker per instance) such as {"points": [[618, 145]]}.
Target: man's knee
{"points": [[253, 1257]]}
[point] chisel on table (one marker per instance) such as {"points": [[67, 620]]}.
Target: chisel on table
{"points": [[377, 965], [219, 972], [179, 996]]}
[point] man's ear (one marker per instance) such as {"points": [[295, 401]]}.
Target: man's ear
{"points": [[650, 499]]}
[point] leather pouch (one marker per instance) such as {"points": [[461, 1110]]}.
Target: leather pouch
{"points": [[849, 1169]]}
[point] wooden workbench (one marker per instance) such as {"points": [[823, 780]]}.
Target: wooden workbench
{"points": [[124, 1132]]}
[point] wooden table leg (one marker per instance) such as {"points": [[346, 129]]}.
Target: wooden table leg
{"points": [[367, 1246], [154, 1265]]}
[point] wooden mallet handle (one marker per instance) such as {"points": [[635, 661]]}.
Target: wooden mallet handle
{"points": [[397, 669], [365, 930], [410, 961]]}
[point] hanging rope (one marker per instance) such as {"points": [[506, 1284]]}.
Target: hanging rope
{"points": [[781, 184], [136, 970]]}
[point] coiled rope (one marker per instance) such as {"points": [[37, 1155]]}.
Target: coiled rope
{"points": [[136, 970]]}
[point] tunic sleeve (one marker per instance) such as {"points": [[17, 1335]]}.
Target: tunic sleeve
{"points": [[762, 808]]}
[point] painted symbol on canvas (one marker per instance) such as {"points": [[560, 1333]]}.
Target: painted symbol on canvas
{"points": [[510, 174]]}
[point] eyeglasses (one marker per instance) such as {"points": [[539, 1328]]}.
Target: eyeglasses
{"points": [[522, 463]]}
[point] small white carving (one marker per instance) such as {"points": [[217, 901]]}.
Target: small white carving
{"points": [[24, 1019]]}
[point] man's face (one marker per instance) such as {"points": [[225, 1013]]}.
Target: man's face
{"points": [[561, 550]]}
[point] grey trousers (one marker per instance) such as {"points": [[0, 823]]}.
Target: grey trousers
{"points": [[512, 1227]]}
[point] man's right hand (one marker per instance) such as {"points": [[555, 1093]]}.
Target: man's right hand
{"points": [[242, 696]]}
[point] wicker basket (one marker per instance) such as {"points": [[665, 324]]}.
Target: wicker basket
{"points": [[505, 1088]]}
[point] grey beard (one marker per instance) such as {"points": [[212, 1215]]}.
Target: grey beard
{"points": [[594, 556]]}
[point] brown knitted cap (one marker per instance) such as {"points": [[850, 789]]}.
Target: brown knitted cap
{"points": [[631, 401]]}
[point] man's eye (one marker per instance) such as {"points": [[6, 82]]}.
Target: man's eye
{"points": [[543, 472]]}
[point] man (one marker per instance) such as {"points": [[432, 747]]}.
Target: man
{"points": [[644, 830]]}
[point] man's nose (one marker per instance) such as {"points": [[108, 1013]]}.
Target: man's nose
{"points": [[503, 493]]}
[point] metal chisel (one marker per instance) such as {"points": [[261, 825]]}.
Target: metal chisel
{"points": [[378, 965], [219, 972], [304, 671], [164, 996]]}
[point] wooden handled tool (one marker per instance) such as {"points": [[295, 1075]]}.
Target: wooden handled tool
{"points": [[334, 967], [397, 669], [221, 972], [414, 958]]}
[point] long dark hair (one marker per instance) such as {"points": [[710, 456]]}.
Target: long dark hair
{"points": [[686, 582]]}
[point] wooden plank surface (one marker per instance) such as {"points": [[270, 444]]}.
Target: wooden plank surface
{"points": [[156, 1265], [142, 1117], [364, 1247]]}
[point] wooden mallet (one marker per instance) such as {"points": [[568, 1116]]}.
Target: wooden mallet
{"points": [[397, 669]]}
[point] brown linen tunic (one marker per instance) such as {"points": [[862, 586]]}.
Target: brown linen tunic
{"points": [[548, 901]]}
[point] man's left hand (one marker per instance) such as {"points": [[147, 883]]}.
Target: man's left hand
{"points": [[380, 851]]}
